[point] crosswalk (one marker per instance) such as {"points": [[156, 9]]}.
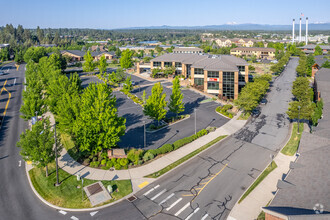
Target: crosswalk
{"points": [[175, 203]]}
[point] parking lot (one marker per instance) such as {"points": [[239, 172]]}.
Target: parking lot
{"points": [[134, 136]]}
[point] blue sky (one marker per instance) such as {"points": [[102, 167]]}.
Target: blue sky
{"points": [[108, 14]]}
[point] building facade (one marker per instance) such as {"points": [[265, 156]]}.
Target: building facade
{"points": [[307, 49], [223, 75], [78, 55], [259, 52]]}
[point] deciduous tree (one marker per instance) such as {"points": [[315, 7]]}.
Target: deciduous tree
{"points": [[102, 64], [88, 65], [126, 59], [176, 104]]}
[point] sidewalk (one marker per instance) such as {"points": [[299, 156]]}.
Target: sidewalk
{"points": [[250, 207], [137, 174]]}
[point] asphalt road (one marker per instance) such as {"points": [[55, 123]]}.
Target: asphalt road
{"points": [[206, 187]]}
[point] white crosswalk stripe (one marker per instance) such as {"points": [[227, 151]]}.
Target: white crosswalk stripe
{"points": [[205, 216], [167, 198], [152, 189], [156, 196], [176, 202], [62, 212], [182, 209], [74, 218], [191, 214]]}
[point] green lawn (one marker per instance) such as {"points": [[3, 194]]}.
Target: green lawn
{"points": [[291, 147], [183, 159], [67, 195], [111, 65], [267, 171], [244, 116]]}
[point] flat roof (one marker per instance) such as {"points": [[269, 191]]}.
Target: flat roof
{"points": [[262, 49]]}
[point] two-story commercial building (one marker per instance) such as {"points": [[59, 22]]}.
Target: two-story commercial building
{"points": [[259, 52], [221, 75]]}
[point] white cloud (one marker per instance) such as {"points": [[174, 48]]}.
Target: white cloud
{"points": [[231, 23]]}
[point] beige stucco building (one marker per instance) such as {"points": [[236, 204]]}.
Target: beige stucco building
{"points": [[259, 52]]}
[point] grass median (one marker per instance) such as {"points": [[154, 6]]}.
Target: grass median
{"points": [[183, 159], [292, 146], [67, 195], [267, 171]]}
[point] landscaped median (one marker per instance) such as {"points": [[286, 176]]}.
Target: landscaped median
{"points": [[183, 159], [292, 146], [69, 193], [262, 176]]}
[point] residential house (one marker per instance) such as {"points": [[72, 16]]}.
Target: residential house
{"points": [[259, 52]]}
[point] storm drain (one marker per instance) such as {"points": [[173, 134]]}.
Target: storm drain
{"points": [[131, 199]]}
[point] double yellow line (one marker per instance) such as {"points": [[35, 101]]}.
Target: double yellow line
{"points": [[4, 88]]}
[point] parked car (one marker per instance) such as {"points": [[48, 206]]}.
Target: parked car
{"points": [[2, 73], [263, 101], [255, 113], [133, 83]]}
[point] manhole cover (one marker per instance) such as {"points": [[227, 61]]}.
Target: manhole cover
{"points": [[131, 199], [95, 188]]}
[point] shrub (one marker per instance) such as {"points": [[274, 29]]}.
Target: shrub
{"points": [[109, 164], [134, 155], [165, 148], [148, 156], [95, 159], [123, 161], [114, 161], [105, 168], [87, 161], [201, 133], [152, 127], [211, 129], [227, 107], [140, 162], [117, 166], [153, 151], [103, 162], [94, 164]]}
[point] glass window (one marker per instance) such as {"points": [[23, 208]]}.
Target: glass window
{"points": [[178, 72], [198, 71], [167, 64], [178, 64], [213, 85], [228, 84], [199, 81], [241, 68], [157, 64], [241, 77], [213, 74]]}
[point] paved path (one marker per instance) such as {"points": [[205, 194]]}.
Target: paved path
{"points": [[137, 174]]}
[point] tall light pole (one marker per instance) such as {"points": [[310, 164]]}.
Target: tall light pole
{"points": [[195, 120], [56, 160], [145, 136], [298, 116]]}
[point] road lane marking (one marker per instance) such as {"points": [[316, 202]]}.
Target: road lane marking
{"points": [[19, 163], [211, 180], [152, 189], [176, 202], [3, 87], [167, 198], [74, 218], [182, 209], [15, 81], [205, 216], [191, 214], [143, 184], [93, 213], [163, 191], [4, 113], [62, 212]]}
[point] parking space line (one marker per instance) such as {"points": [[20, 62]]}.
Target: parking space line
{"points": [[176, 202], [156, 196], [191, 214], [167, 198], [182, 209]]}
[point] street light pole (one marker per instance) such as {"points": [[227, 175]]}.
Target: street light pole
{"points": [[195, 120], [298, 116], [56, 160], [145, 137]]}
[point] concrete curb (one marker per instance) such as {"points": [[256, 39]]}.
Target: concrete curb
{"points": [[69, 209], [223, 115], [168, 125]]}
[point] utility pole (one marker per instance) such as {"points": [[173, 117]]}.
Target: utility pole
{"points": [[56, 160]]}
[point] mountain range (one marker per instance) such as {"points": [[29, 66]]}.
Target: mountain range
{"points": [[243, 27]]}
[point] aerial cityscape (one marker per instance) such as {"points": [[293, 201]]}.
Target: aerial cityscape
{"points": [[165, 110]]}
